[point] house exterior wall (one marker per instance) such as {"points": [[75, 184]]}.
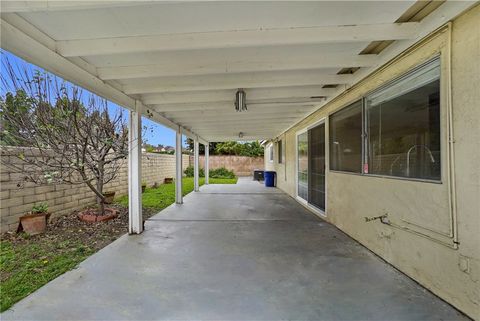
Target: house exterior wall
{"points": [[63, 198], [452, 274]]}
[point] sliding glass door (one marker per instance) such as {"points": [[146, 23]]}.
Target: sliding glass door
{"points": [[311, 166], [316, 166]]}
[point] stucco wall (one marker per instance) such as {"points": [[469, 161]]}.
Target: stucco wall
{"points": [[452, 274], [62, 198]]}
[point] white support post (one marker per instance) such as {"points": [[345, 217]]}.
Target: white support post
{"points": [[178, 167], [135, 223], [196, 165], [207, 168]]}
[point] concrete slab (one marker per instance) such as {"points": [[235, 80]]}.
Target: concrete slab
{"points": [[241, 256]]}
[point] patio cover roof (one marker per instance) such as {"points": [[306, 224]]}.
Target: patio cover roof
{"points": [[184, 61]]}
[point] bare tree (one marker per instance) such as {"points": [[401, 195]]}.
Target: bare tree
{"points": [[64, 137]]}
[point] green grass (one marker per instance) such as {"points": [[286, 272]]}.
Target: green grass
{"points": [[27, 266], [164, 195]]}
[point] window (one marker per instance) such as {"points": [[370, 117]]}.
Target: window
{"points": [[346, 139], [270, 153], [403, 126], [280, 151]]}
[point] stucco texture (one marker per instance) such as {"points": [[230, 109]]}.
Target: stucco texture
{"points": [[424, 207]]}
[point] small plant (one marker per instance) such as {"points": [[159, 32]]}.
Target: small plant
{"points": [[40, 208]]}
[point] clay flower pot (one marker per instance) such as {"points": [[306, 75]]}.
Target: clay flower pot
{"points": [[109, 196], [33, 223]]}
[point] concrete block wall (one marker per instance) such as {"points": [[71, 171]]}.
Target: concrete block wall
{"points": [[17, 197], [240, 165]]}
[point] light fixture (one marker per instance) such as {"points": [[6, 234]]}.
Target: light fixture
{"points": [[240, 100], [240, 135]]}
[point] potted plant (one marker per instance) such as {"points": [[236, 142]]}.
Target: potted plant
{"points": [[109, 196], [35, 222], [144, 186]]}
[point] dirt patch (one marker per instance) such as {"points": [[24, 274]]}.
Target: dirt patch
{"points": [[70, 228]]}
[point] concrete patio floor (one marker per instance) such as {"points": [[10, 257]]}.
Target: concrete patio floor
{"points": [[238, 252]]}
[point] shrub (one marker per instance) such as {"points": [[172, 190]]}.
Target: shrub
{"points": [[221, 172], [189, 172]]}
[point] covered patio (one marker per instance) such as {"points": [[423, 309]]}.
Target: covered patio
{"points": [[223, 71], [239, 252]]}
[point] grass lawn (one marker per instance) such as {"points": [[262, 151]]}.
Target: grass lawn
{"points": [[26, 266], [29, 262], [164, 195]]}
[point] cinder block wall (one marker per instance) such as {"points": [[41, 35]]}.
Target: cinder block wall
{"points": [[240, 165], [63, 198]]}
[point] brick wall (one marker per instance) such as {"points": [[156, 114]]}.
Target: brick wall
{"points": [[240, 165], [63, 198]]}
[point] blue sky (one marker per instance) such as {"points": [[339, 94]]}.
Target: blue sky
{"points": [[155, 133]]}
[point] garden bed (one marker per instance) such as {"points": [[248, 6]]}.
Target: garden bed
{"points": [[28, 262]]}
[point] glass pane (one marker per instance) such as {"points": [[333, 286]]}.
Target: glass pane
{"points": [[346, 139], [404, 133], [316, 179], [303, 165], [280, 152]]}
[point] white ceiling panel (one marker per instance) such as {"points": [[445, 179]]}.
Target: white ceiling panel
{"points": [[184, 61], [165, 18]]}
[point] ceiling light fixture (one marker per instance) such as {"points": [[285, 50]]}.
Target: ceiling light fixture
{"points": [[240, 100]]}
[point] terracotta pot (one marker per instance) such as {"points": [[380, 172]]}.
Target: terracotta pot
{"points": [[144, 187], [109, 196], [110, 214], [33, 223]]}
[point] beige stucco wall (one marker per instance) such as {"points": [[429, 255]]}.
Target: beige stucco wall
{"points": [[452, 274]]}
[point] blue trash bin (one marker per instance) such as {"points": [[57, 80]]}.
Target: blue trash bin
{"points": [[270, 178]]}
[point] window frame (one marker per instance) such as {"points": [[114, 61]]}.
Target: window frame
{"points": [[365, 144], [271, 153], [328, 119], [280, 151], [365, 121]]}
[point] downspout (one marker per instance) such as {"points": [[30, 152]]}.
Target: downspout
{"points": [[452, 189]]}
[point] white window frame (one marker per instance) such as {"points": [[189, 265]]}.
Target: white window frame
{"points": [[305, 203]]}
